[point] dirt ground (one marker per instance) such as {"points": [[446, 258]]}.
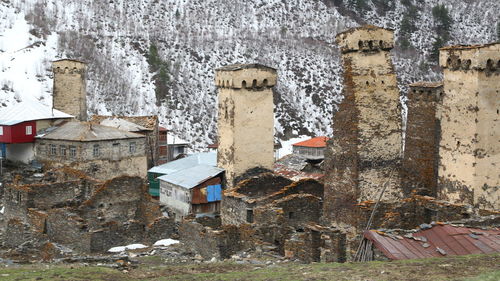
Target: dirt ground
{"points": [[474, 267]]}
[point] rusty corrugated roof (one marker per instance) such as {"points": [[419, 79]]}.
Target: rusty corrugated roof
{"points": [[314, 142], [440, 240]]}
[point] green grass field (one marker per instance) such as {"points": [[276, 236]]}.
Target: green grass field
{"points": [[473, 268]]}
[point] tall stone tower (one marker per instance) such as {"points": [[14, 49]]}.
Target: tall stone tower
{"points": [[70, 95], [365, 150], [469, 170], [423, 131], [246, 118]]}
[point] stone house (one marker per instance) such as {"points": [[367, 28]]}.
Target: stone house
{"points": [[99, 151], [144, 125], [269, 191]]}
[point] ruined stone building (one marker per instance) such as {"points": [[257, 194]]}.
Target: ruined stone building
{"points": [[101, 152], [423, 131], [470, 126], [70, 93], [365, 152], [144, 125], [67, 207], [246, 118]]}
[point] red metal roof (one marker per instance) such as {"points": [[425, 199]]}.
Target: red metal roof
{"points": [[162, 129], [314, 142], [438, 241]]}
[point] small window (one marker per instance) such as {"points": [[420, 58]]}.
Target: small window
{"points": [[1, 131], [180, 149], [29, 130], [96, 151], [53, 149], [72, 151], [62, 150], [19, 196], [249, 215], [132, 148]]}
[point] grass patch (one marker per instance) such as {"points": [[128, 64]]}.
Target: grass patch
{"points": [[473, 268]]}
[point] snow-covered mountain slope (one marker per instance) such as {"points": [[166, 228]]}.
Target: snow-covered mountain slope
{"points": [[193, 37]]}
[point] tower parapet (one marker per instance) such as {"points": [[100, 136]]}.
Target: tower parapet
{"points": [[367, 38]]}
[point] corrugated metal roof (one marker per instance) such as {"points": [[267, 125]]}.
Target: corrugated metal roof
{"points": [[206, 158], [313, 142], [122, 124], [87, 131], [438, 241], [29, 111], [191, 177]]}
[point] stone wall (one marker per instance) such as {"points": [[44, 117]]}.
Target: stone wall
{"points": [[470, 126], [70, 94], [238, 203], [423, 131], [366, 151], [66, 227], [246, 119], [221, 243], [44, 196], [316, 244], [108, 164], [294, 210]]}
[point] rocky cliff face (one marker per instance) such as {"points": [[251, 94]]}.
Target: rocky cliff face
{"points": [[158, 56]]}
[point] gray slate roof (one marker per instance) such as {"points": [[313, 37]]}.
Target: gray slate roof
{"points": [[86, 131], [193, 176]]}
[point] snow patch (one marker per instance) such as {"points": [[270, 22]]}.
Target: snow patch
{"points": [[119, 249], [165, 242]]}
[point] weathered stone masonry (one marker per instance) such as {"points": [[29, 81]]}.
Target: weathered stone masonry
{"points": [[423, 131], [246, 118], [469, 169], [70, 94], [366, 149]]}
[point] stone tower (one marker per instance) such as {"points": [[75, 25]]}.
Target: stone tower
{"points": [[469, 170], [423, 130], [365, 151], [70, 95], [246, 118]]}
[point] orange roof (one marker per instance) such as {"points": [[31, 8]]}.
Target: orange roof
{"points": [[314, 142]]}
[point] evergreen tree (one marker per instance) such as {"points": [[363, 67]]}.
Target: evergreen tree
{"points": [[443, 23]]}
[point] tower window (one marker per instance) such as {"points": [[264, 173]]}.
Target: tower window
{"points": [[243, 84], [132, 148], [96, 150]]}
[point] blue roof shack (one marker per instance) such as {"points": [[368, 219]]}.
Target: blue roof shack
{"points": [[191, 185]]}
